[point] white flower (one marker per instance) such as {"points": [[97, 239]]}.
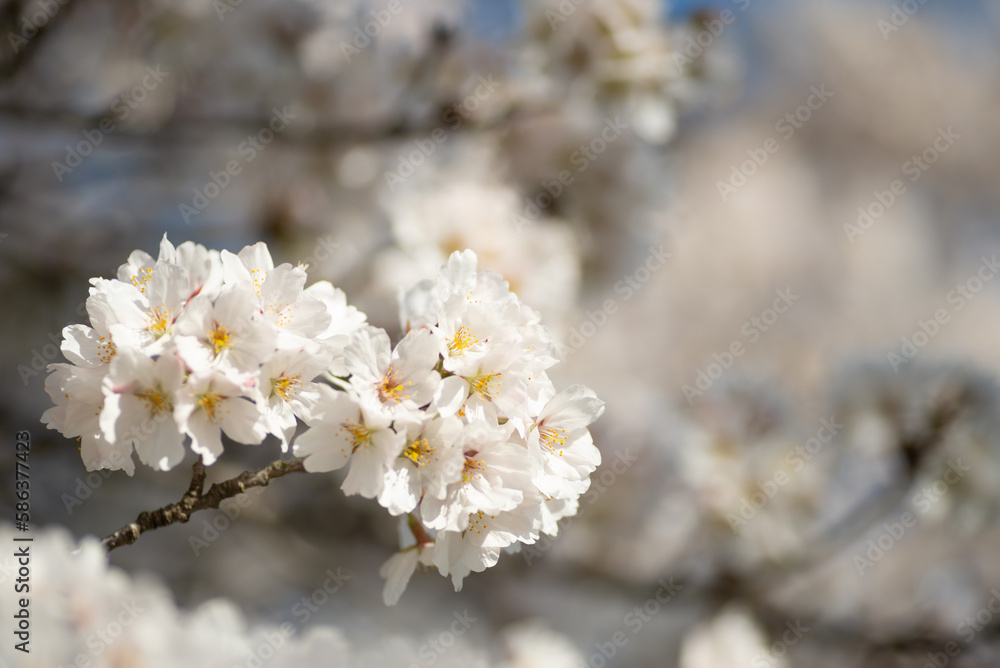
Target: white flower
{"points": [[398, 381], [246, 342], [139, 266], [526, 451], [345, 431], [297, 317], [478, 546], [487, 337], [139, 405], [87, 347], [431, 459], [214, 402], [496, 532], [498, 385], [142, 320], [423, 305], [344, 321], [229, 333], [288, 389], [203, 267], [561, 445], [250, 267], [494, 478], [79, 399], [469, 333]]}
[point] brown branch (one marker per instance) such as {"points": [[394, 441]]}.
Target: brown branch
{"points": [[195, 499], [418, 531]]}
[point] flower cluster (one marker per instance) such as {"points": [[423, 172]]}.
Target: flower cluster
{"points": [[195, 344], [458, 426]]}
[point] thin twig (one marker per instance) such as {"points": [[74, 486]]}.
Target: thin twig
{"points": [[196, 499]]}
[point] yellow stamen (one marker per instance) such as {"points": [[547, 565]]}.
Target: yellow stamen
{"points": [[105, 350], [160, 318], [476, 522], [220, 337], [258, 276], [141, 279], [210, 402], [471, 467], [553, 439], [463, 339], [157, 401], [284, 386], [419, 452], [486, 385], [282, 313], [360, 435], [391, 389]]}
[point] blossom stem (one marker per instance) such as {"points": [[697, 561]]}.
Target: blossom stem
{"points": [[418, 530], [195, 499]]}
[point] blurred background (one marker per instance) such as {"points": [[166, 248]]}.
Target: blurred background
{"points": [[764, 231]]}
